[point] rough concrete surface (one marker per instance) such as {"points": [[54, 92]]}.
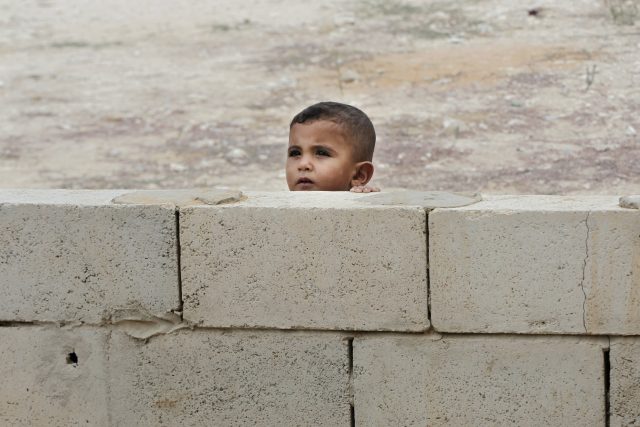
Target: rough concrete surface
{"points": [[625, 381], [318, 261], [22, 196], [229, 378], [535, 264], [179, 198], [494, 96], [42, 387], [67, 262], [612, 273], [426, 199], [479, 380]]}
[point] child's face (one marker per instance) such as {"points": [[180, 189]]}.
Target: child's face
{"points": [[319, 157]]}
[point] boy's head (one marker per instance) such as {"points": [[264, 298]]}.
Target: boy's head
{"points": [[330, 148]]}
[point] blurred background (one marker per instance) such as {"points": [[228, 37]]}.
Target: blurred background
{"points": [[496, 96]]}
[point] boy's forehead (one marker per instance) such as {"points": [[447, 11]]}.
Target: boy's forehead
{"points": [[318, 130]]}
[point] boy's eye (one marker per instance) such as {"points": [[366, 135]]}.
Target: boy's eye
{"points": [[294, 152], [322, 152]]}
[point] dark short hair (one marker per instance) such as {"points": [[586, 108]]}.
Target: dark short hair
{"points": [[355, 123]]}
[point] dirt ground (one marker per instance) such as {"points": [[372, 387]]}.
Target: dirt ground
{"points": [[494, 96]]}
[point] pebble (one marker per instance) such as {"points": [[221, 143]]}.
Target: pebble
{"points": [[203, 143], [237, 156], [440, 16], [631, 131], [344, 20], [454, 126], [177, 167], [349, 76], [515, 122]]}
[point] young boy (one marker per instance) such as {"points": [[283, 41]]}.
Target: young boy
{"points": [[330, 149]]}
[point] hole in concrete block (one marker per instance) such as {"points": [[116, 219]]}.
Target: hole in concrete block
{"points": [[353, 415], [607, 386], [350, 354], [72, 358]]}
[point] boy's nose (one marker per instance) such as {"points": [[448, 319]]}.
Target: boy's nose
{"points": [[305, 165]]}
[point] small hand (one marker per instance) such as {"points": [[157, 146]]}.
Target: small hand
{"points": [[364, 189]]}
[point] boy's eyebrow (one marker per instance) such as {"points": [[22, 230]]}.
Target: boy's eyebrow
{"points": [[325, 147], [313, 147]]}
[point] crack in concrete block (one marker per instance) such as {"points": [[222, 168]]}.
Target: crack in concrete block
{"points": [[584, 268]]}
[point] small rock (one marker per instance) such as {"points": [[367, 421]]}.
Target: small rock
{"points": [[349, 76], [440, 16], [631, 131], [515, 122], [203, 143], [630, 202], [344, 20], [484, 28], [237, 156], [454, 126], [177, 167]]}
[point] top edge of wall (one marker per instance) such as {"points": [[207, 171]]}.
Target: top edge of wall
{"points": [[313, 199]]}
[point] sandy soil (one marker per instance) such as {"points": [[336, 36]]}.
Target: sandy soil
{"points": [[487, 95]]}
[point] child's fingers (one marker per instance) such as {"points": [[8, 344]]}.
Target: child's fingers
{"points": [[364, 189]]}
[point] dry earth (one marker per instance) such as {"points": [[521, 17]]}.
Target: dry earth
{"points": [[487, 95]]}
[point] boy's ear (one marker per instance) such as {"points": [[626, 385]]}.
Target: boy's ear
{"points": [[362, 174]]}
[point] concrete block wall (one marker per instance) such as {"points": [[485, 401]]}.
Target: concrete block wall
{"points": [[207, 307]]}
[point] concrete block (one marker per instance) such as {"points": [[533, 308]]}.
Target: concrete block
{"points": [[536, 264], [212, 377], [612, 273], [303, 260], [73, 256], [41, 386], [481, 380], [624, 391]]}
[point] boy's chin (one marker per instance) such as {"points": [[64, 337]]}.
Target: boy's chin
{"points": [[314, 187], [305, 186]]}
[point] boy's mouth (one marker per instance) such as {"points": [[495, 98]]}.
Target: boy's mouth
{"points": [[304, 181]]}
